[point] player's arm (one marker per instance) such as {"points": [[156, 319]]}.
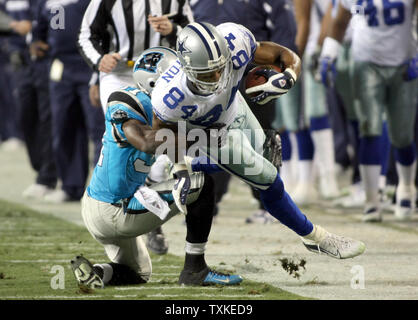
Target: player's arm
{"points": [[325, 25], [332, 45], [268, 53], [303, 18], [141, 136], [278, 83], [340, 23]]}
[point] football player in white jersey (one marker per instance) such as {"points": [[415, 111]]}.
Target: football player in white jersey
{"points": [[385, 54], [201, 89]]}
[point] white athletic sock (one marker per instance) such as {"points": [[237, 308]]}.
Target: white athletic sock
{"points": [[287, 175], [195, 248], [294, 156], [324, 152], [370, 178], [382, 182], [317, 235], [406, 174], [305, 168], [107, 272]]}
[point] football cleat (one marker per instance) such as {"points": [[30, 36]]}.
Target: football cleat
{"points": [[355, 199], [208, 277], [37, 191], [337, 247], [372, 214], [85, 274], [261, 217], [58, 196], [405, 202]]}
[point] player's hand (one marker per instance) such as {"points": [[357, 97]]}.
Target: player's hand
{"points": [[314, 64], [21, 27], [182, 186], [277, 84], [109, 62], [161, 24], [412, 70], [328, 71], [38, 49]]}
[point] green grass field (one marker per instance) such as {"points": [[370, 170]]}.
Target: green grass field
{"points": [[35, 250]]}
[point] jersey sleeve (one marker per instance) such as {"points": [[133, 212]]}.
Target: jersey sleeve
{"points": [[239, 40], [123, 106]]}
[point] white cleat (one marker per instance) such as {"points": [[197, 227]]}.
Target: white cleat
{"points": [[12, 144], [37, 191], [328, 187], [372, 214], [58, 196], [405, 202], [337, 247], [355, 199]]}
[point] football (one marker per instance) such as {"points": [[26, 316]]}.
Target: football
{"points": [[253, 79]]}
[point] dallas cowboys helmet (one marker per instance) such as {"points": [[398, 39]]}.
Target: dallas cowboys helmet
{"points": [[201, 49], [150, 65]]}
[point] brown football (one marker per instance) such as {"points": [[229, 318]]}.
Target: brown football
{"points": [[253, 80]]}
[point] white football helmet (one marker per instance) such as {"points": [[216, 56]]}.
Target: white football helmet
{"points": [[150, 65], [201, 49]]}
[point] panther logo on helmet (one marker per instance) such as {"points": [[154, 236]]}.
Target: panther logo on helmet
{"points": [[150, 65], [149, 62]]}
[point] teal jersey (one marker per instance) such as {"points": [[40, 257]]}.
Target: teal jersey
{"points": [[121, 168]]}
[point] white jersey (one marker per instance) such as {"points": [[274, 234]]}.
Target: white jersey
{"points": [[382, 31], [173, 101], [318, 10]]}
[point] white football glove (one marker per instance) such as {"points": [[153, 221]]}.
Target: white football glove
{"points": [[276, 85]]}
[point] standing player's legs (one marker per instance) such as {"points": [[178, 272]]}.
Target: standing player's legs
{"points": [[401, 111], [35, 120], [322, 135], [369, 87], [290, 104], [70, 141]]}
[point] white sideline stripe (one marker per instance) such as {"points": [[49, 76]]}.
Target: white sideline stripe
{"points": [[204, 295], [35, 261], [54, 297], [174, 287], [133, 296], [47, 244]]}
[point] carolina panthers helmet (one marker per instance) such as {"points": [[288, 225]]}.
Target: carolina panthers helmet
{"points": [[150, 65], [202, 49]]}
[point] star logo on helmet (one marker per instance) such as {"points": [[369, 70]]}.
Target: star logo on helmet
{"points": [[182, 47]]}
